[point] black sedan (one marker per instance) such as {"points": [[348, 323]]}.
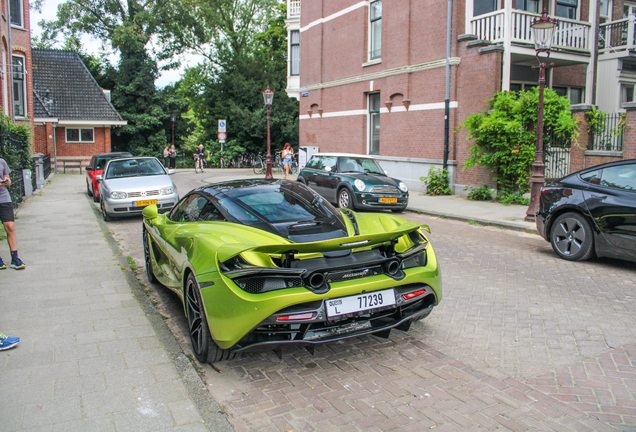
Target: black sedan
{"points": [[591, 211]]}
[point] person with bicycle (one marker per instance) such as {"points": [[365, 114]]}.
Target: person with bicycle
{"points": [[199, 155], [287, 154]]}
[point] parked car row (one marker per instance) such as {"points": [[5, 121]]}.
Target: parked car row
{"points": [[124, 185]]}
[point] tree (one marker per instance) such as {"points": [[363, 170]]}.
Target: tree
{"points": [[244, 60], [127, 26]]}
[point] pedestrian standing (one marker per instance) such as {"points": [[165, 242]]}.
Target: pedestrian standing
{"points": [[287, 155], [173, 157], [166, 155], [6, 217]]}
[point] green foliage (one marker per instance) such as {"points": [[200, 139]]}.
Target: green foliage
{"points": [[230, 83], [481, 193], [513, 198], [437, 182], [15, 151], [505, 135]]}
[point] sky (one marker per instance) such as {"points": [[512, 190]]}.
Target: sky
{"points": [[49, 9]]}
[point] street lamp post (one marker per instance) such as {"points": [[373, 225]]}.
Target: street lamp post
{"points": [[173, 118], [542, 31], [268, 96]]}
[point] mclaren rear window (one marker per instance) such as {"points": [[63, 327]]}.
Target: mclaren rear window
{"points": [[276, 203]]}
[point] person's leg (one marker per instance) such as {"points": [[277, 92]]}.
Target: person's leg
{"points": [[287, 171], [9, 227]]}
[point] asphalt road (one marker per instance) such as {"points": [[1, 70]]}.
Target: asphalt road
{"points": [[522, 340]]}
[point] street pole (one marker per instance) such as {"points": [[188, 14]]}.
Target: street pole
{"points": [[449, 24], [543, 31], [268, 172]]}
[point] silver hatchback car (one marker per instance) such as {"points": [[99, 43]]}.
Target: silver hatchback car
{"points": [[128, 185]]}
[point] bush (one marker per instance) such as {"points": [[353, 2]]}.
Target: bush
{"points": [[513, 198], [437, 182], [481, 193]]}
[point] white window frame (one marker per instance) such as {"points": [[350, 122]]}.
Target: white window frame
{"points": [[25, 105], [578, 11], [20, 12], [370, 115], [568, 92], [370, 41], [291, 59], [79, 129]]}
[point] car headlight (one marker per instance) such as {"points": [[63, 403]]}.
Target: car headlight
{"points": [[167, 190], [403, 187], [118, 195], [359, 184]]}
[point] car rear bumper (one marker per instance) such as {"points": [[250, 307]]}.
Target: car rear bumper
{"points": [[271, 334]]}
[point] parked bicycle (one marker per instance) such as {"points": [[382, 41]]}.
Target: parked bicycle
{"points": [[259, 164]]}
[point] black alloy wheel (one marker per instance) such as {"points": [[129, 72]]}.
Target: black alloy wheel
{"points": [[571, 237], [203, 347], [345, 200], [148, 257]]}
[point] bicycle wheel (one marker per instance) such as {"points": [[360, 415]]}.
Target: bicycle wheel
{"points": [[222, 163], [294, 167], [258, 166]]}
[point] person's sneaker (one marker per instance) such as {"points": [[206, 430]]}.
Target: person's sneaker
{"points": [[17, 264], [7, 342], [2, 265]]}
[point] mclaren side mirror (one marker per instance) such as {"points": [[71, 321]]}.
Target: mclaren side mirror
{"points": [[150, 212]]}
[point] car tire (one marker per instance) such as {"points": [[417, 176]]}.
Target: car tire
{"points": [[203, 347], [95, 197], [148, 257], [345, 200], [571, 237], [88, 190], [105, 215]]}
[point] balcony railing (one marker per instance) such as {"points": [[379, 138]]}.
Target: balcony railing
{"points": [[570, 34], [617, 35], [293, 8]]}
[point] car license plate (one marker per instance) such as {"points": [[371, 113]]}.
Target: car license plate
{"points": [[388, 200], [362, 302], [144, 203]]}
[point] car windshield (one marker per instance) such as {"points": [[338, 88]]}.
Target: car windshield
{"points": [[285, 202], [362, 165], [134, 168]]}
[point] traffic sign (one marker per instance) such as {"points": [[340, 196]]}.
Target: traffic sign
{"points": [[222, 136], [222, 125]]}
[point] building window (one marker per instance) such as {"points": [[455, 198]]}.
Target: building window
{"points": [[567, 8], [527, 5], [374, 123], [80, 135], [15, 7], [375, 25], [294, 52], [481, 7], [605, 11], [627, 93], [575, 94], [519, 87], [19, 90]]}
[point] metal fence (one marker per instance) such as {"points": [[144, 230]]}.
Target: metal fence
{"points": [[46, 166], [609, 133], [556, 156]]}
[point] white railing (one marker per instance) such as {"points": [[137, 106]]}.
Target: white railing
{"points": [[489, 26], [492, 26], [617, 35], [293, 8]]}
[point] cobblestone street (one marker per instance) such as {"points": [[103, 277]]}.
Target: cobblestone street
{"points": [[521, 341]]}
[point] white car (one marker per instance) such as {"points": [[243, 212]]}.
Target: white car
{"points": [[128, 185]]}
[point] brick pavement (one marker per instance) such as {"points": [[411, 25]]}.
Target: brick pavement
{"points": [[514, 318]]}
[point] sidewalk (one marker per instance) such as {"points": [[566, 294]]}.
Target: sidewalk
{"points": [[94, 353]]}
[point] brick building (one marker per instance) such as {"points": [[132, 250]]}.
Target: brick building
{"points": [[370, 75], [73, 115], [16, 84]]}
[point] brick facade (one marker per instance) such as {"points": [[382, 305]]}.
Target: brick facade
{"points": [[43, 143]]}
